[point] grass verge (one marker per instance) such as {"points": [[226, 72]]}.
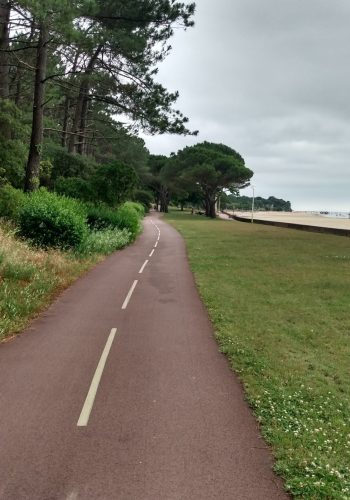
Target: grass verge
{"points": [[279, 302], [31, 278]]}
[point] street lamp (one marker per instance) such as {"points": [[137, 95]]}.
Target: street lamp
{"points": [[253, 203]]}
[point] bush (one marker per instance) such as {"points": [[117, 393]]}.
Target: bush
{"points": [[136, 206], [74, 187], [50, 220], [145, 198], [128, 218], [101, 216], [11, 202], [105, 241]]}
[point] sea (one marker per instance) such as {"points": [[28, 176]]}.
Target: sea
{"points": [[333, 215]]}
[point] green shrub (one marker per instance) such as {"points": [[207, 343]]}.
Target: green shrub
{"points": [[145, 198], [50, 220], [105, 241], [101, 216], [128, 218], [136, 206], [11, 202], [74, 187]]}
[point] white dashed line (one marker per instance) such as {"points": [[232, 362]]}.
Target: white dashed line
{"points": [[150, 255], [155, 246], [90, 398], [143, 266], [128, 297]]}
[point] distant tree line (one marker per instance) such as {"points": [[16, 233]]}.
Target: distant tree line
{"points": [[234, 202]]}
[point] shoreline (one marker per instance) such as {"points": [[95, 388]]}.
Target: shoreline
{"points": [[302, 218]]}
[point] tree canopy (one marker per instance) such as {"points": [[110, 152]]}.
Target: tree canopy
{"points": [[83, 74], [210, 168]]}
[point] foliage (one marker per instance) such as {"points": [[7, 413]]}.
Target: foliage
{"points": [[231, 201], [11, 202], [144, 197], [136, 206], [129, 218], [30, 278], [104, 241], [13, 148], [126, 217], [279, 304], [74, 187], [95, 60], [113, 184], [101, 216], [50, 220], [65, 164], [212, 168]]}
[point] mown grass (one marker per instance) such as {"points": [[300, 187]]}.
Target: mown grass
{"points": [[30, 278], [279, 301]]}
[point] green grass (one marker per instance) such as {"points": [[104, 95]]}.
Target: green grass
{"points": [[30, 278], [105, 241], [279, 302]]}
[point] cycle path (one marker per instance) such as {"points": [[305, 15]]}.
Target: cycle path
{"points": [[167, 419]]}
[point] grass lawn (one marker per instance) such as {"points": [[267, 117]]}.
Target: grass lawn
{"points": [[279, 301]]}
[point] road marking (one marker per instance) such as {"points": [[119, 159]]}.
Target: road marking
{"points": [[143, 267], [158, 238], [72, 496], [90, 398], [155, 246], [128, 297], [150, 255]]}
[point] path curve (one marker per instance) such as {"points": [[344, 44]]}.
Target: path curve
{"points": [[168, 420]]}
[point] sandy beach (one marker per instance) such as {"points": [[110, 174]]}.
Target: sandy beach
{"points": [[303, 218]]}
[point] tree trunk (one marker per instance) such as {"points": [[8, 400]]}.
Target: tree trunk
{"points": [[212, 211], [18, 88], [82, 127], [65, 122], [33, 165], [209, 205], [157, 201], [5, 9], [164, 199], [206, 206], [79, 122]]}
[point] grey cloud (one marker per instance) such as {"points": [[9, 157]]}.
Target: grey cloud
{"points": [[270, 79]]}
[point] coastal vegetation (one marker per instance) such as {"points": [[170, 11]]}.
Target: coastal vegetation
{"points": [[46, 242], [278, 302]]}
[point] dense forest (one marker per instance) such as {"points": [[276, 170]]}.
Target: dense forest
{"points": [[77, 81]]}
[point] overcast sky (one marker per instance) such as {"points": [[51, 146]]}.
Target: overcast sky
{"points": [[270, 78]]}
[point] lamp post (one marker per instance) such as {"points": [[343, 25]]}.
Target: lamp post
{"points": [[253, 204]]}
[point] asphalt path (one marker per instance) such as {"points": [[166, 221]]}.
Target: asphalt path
{"points": [[118, 391]]}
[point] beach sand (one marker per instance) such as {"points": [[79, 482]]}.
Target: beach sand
{"points": [[304, 218]]}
